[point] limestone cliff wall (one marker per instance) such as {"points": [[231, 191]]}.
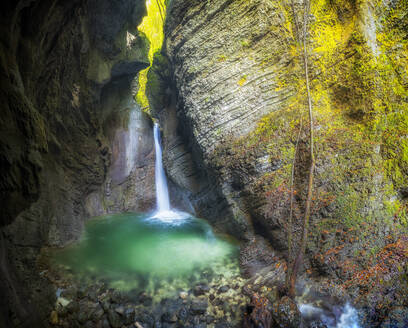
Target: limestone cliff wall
{"points": [[235, 92], [61, 128]]}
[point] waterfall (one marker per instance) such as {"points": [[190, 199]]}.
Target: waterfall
{"points": [[164, 212], [162, 192]]}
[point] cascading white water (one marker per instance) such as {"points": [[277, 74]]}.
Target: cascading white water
{"points": [[162, 192], [164, 212], [347, 318]]}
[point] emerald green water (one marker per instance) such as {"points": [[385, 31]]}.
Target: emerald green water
{"points": [[132, 251]]}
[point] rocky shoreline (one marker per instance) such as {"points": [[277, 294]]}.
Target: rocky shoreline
{"points": [[92, 303]]}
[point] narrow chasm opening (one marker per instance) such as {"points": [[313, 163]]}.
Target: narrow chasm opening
{"points": [[152, 26], [148, 266], [204, 163], [158, 265]]}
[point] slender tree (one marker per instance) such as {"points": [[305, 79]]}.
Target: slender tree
{"points": [[296, 265], [292, 173], [289, 227]]}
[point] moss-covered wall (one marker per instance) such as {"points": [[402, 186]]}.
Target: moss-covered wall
{"points": [[245, 104]]}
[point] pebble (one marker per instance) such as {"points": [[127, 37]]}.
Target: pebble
{"points": [[183, 314], [201, 290], [81, 292], [61, 311], [138, 325], [209, 319], [105, 323], [102, 307], [54, 318], [63, 301], [116, 297], [129, 315], [73, 307], [114, 319], [92, 295], [105, 305], [89, 324], [199, 307], [98, 312], [223, 289], [145, 299], [169, 317], [317, 324], [83, 315], [200, 325], [120, 310], [183, 295]]}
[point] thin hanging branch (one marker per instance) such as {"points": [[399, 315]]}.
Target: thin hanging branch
{"points": [[292, 178], [295, 20]]}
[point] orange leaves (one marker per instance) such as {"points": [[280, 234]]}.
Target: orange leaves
{"points": [[334, 250], [387, 262]]}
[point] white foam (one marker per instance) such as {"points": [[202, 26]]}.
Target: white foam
{"points": [[349, 318], [171, 216]]}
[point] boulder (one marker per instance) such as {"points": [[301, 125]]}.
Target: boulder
{"points": [[223, 289], [115, 319], [286, 313], [198, 307], [258, 312], [201, 290]]}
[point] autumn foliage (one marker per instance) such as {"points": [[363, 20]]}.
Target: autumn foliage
{"points": [[390, 262]]}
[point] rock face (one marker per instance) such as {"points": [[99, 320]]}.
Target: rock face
{"points": [[218, 98], [398, 317], [60, 132], [286, 314], [129, 182], [230, 93]]}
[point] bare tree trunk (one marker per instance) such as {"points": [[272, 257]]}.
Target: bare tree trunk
{"points": [[299, 258], [290, 221]]}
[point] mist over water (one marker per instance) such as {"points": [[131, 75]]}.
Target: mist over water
{"points": [[146, 252]]}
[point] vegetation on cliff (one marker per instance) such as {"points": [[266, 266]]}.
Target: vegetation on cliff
{"points": [[152, 27], [360, 96]]}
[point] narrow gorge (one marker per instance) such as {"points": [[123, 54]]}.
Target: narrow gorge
{"points": [[194, 163]]}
